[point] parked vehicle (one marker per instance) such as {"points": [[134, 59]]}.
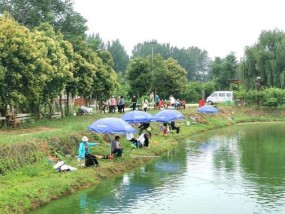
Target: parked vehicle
{"points": [[220, 97]]}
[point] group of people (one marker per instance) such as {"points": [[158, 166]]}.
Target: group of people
{"points": [[168, 127], [144, 103], [112, 103], [84, 152], [144, 138], [116, 147], [171, 102]]}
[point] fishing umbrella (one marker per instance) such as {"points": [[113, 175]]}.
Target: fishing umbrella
{"points": [[137, 117], [166, 116], [111, 126], [207, 110]]}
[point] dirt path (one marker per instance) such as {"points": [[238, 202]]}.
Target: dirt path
{"points": [[26, 131]]}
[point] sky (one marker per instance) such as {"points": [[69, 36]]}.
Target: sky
{"points": [[217, 26]]}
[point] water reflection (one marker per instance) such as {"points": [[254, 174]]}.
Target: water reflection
{"points": [[262, 160], [235, 170], [253, 157]]}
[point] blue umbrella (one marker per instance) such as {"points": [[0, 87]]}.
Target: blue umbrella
{"points": [[165, 116], [138, 117], [207, 109], [111, 125]]}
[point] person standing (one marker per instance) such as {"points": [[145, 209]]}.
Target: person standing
{"points": [[103, 106], [116, 147], [122, 104], [172, 101], [119, 104], [110, 104], [156, 100], [113, 104], [85, 154], [134, 103], [145, 104]]}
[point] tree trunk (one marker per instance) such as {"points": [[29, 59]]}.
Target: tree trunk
{"points": [[39, 110], [50, 109], [67, 103], [60, 105]]}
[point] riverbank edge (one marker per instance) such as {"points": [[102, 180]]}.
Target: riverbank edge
{"points": [[87, 177]]}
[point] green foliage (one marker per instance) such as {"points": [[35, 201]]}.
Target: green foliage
{"points": [[95, 42], [270, 97], [120, 56], [22, 61], [177, 78], [195, 61], [265, 59], [14, 156], [273, 97], [195, 91], [58, 13], [139, 76], [223, 70], [123, 87], [165, 77]]}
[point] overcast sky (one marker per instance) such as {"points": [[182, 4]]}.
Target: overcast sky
{"points": [[217, 26]]}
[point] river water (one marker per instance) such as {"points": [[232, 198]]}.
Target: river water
{"points": [[236, 170]]}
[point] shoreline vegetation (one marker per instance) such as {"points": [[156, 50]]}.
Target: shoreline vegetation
{"points": [[28, 180]]}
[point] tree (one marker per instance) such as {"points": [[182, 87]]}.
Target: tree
{"points": [[265, 59], [22, 66], [177, 77], [194, 60], [164, 77], [123, 87], [95, 42], [58, 13], [169, 77], [60, 68], [106, 78], [223, 70], [120, 56], [139, 76]]}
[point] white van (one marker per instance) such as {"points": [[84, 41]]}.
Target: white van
{"points": [[220, 97]]}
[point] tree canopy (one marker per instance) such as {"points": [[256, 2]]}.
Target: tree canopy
{"points": [[195, 61], [265, 59]]}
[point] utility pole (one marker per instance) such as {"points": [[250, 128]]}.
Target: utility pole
{"points": [[153, 42]]}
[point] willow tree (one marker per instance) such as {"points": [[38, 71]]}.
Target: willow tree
{"points": [[265, 59]]}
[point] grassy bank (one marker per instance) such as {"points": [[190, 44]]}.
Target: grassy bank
{"points": [[27, 185]]}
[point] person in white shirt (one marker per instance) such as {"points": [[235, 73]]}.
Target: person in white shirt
{"points": [[172, 100], [145, 104]]}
